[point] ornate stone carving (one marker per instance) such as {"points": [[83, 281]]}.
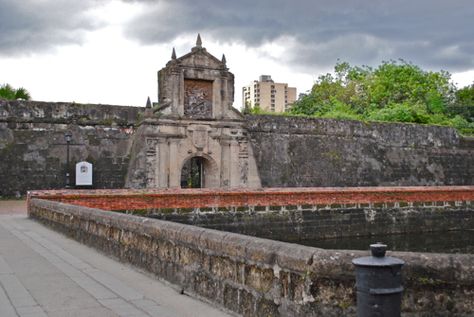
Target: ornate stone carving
{"points": [[200, 136], [243, 161], [151, 161], [195, 121], [244, 171], [151, 146], [197, 98]]}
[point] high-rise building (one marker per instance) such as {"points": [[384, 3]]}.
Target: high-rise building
{"points": [[268, 95]]}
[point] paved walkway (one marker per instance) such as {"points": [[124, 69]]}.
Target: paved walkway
{"points": [[43, 273]]}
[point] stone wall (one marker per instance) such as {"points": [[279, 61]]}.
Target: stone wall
{"points": [[312, 222], [258, 277], [295, 215], [288, 151], [33, 148], [294, 152]]}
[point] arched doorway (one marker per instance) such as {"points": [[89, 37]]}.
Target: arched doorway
{"points": [[192, 173], [199, 172]]}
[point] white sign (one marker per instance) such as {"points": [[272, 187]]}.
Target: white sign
{"points": [[83, 174]]}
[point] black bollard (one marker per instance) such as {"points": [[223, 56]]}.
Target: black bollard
{"points": [[378, 283]]}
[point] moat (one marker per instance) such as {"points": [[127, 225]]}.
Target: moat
{"points": [[459, 241]]}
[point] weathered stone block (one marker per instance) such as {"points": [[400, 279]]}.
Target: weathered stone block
{"points": [[266, 308], [231, 297], [259, 278], [224, 268], [247, 303]]}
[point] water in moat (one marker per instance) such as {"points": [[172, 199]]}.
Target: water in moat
{"points": [[438, 242]]}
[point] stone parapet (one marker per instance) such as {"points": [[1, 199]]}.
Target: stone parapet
{"points": [[20, 112], [253, 276]]}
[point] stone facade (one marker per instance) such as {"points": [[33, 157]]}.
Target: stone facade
{"points": [[194, 119]]}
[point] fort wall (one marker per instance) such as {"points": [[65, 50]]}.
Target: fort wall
{"points": [[306, 152], [33, 148], [289, 151]]}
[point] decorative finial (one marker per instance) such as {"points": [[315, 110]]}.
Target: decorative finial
{"points": [[223, 59], [148, 103], [199, 41], [173, 54]]}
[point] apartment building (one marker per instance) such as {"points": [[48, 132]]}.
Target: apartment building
{"points": [[268, 95]]}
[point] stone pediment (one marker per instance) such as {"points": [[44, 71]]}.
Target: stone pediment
{"points": [[200, 58], [196, 85]]}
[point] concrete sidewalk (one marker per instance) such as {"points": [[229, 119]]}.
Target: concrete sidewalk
{"points": [[43, 273]]}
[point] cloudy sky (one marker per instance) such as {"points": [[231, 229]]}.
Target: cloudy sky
{"points": [[108, 51]]}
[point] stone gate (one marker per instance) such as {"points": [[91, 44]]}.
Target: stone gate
{"points": [[193, 137]]}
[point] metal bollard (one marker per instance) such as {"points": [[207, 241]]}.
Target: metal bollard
{"points": [[378, 283]]}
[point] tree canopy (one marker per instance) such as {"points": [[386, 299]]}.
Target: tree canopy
{"points": [[10, 93], [465, 96], [395, 91]]}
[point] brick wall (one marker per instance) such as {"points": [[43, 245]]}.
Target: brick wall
{"points": [[294, 215], [319, 197]]}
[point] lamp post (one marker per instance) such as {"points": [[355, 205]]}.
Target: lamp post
{"points": [[68, 137]]}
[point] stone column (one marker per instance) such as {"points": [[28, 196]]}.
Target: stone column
{"points": [[234, 164], [225, 163], [179, 93], [243, 162], [162, 165], [176, 90], [152, 153], [174, 165]]}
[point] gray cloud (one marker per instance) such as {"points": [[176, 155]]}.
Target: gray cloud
{"points": [[28, 26], [437, 34]]}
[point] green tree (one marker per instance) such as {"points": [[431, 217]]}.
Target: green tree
{"points": [[395, 91], [465, 96], [464, 103], [10, 93], [365, 89]]}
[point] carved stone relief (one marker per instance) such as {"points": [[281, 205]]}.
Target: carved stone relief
{"points": [[151, 160], [197, 98], [243, 161]]}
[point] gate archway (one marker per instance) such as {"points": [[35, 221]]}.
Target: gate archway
{"points": [[199, 172]]}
